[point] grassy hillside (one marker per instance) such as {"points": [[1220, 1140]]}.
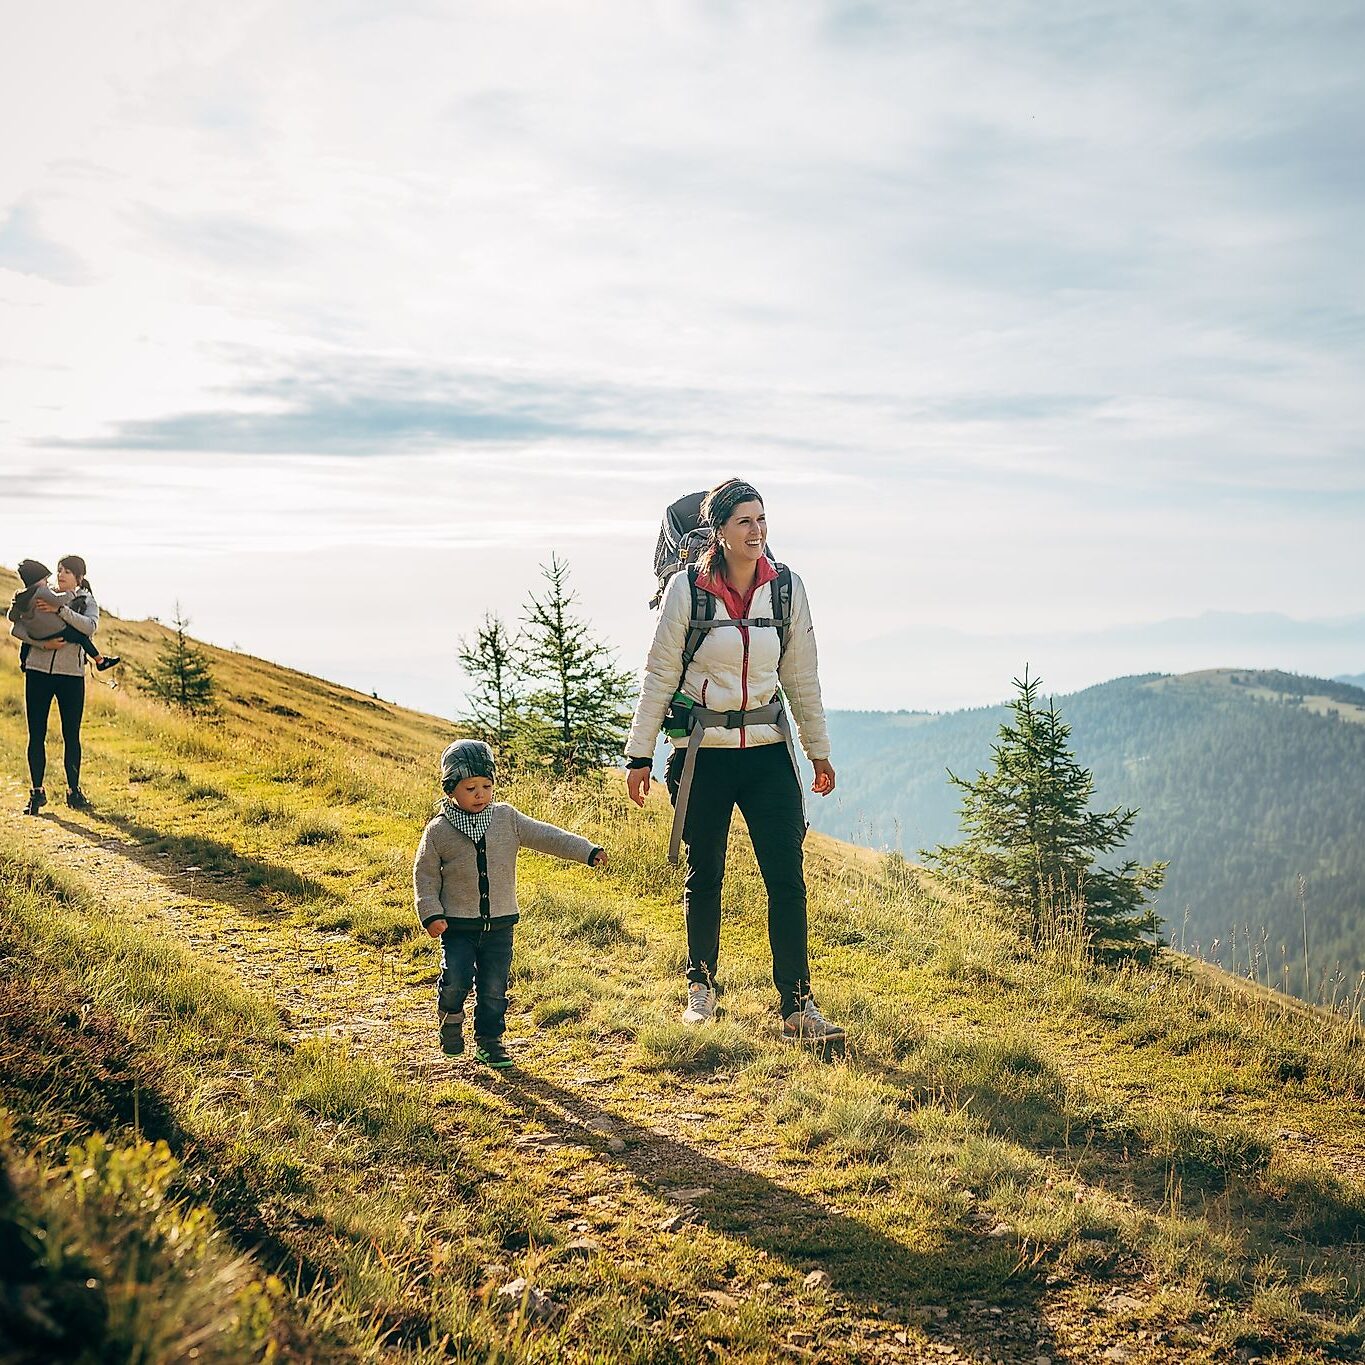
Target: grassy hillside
{"points": [[1248, 782], [1021, 1156]]}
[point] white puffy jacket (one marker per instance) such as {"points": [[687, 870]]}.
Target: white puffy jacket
{"points": [[729, 674]]}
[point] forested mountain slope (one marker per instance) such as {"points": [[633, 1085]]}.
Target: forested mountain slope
{"points": [[1249, 781]]}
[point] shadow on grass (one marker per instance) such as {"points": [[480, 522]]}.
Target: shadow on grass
{"points": [[172, 855], [869, 1268], [72, 1069]]}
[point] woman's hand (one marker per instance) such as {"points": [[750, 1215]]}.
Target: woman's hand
{"points": [[436, 928], [600, 862], [42, 604], [47, 644], [637, 784], [824, 777]]}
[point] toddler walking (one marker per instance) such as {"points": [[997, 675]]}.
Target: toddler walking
{"points": [[465, 883]]}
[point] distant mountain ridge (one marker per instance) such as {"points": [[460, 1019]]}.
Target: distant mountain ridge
{"points": [[923, 665], [1247, 780]]}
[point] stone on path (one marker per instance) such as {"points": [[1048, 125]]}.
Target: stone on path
{"points": [[689, 1195], [540, 1307]]}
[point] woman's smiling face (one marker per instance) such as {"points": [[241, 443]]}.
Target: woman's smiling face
{"points": [[66, 580], [745, 533]]}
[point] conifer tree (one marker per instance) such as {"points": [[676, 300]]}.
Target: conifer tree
{"points": [[576, 716], [1032, 839], [493, 705], [180, 673]]}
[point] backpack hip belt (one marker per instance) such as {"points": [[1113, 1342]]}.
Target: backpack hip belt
{"points": [[702, 720]]}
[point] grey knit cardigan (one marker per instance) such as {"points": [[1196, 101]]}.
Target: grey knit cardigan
{"points": [[446, 872]]}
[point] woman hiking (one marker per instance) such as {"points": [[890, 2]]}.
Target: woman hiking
{"points": [[719, 687], [55, 670]]}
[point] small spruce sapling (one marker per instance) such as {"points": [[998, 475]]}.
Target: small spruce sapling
{"points": [[180, 673], [1033, 840]]}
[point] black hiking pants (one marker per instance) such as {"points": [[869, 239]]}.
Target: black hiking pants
{"points": [[39, 691], [762, 783]]}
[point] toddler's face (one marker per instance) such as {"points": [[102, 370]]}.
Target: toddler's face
{"points": [[473, 794]]}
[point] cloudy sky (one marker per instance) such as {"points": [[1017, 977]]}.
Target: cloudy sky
{"points": [[332, 320]]}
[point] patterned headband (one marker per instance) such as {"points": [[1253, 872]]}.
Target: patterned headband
{"points": [[720, 511]]}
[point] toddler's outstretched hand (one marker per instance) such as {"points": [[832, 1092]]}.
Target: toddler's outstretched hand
{"points": [[436, 928], [600, 861]]}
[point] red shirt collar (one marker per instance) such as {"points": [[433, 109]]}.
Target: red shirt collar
{"points": [[736, 605]]}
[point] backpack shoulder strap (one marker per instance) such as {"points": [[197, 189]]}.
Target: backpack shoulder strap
{"points": [[703, 610], [782, 607]]}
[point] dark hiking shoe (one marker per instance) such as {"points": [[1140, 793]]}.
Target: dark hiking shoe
{"points": [[109, 661], [491, 1052], [808, 1025], [77, 799], [37, 799], [452, 1034]]}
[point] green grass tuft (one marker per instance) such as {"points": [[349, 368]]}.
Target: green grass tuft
{"points": [[314, 829], [674, 1046]]}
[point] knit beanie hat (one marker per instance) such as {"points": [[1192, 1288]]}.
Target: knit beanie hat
{"points": [[32, 572], [467, 758]]}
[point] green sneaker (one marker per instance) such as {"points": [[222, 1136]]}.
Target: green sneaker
{"points": [[452, 1034], [491, 1052]]}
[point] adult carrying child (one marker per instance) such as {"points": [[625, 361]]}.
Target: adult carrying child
{"points": [[56, 630]]}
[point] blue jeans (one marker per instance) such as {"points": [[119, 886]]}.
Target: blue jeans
{"points": [[481, 961]]}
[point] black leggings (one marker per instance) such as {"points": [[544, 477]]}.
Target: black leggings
{"points": [[762, 783], [39, 690]]}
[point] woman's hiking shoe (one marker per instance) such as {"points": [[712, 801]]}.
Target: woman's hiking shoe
{"points": [[109, 661], [37, 799], [808, 1025], [452, 1034], [701, 1004], [491, 1052], [77, 799]]}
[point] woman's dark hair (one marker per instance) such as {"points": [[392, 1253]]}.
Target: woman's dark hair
{"points": [[717, 507], [77, 566]]}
